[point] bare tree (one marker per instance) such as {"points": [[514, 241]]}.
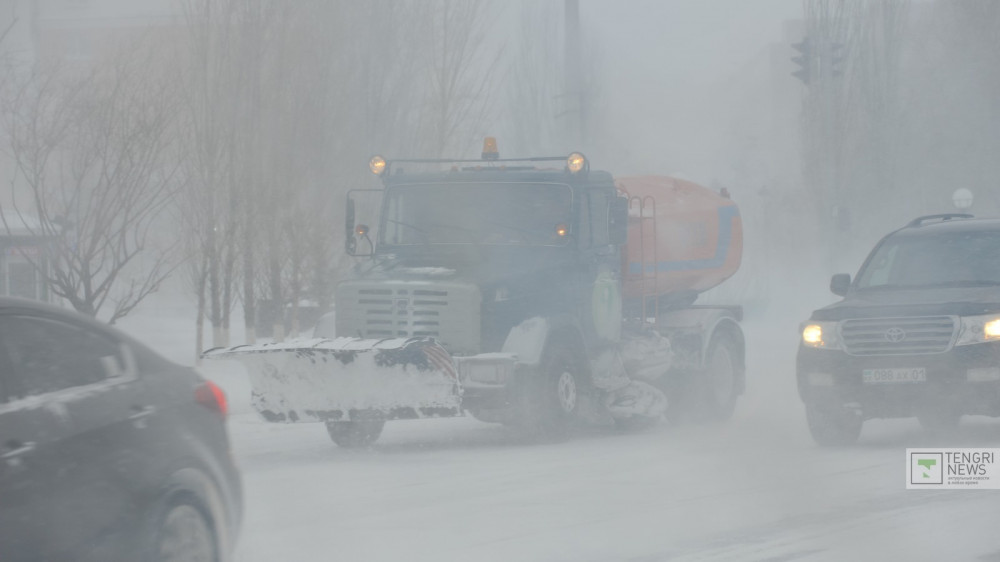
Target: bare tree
{"points": [[287, 103], [536, 79], [463, 70], [852, 113], [208, 129], [89, 149]]}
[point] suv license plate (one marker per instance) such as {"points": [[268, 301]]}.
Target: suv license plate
{"points": [[890, 376]]}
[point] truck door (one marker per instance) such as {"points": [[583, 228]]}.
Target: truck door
{"points": [[603, 304]]}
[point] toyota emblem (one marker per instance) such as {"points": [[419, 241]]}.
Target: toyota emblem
{"points": [[895, 334]]}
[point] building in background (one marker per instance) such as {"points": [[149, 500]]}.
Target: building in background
{"points": [[24, 260]]}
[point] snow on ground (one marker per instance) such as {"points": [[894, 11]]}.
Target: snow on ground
{"points": [[755, 488]]}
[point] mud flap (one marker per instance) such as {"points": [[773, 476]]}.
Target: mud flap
{"points": [[626, 397], [345, 379]]}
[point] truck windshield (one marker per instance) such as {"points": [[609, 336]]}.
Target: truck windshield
{"points": [[965, 259], [525, 214]]}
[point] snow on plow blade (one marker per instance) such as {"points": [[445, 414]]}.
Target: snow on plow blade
{"points": [[348, 379]]}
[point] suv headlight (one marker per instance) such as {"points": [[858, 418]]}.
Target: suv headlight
{"points": [[979, 329], [822, 335]]}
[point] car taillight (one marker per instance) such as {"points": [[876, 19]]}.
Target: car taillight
{"points": [[209, 394]]}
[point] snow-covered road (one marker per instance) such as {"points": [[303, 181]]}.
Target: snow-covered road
{"points": [[756, 488]]}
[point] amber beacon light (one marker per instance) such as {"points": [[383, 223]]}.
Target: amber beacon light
{"points": [[490, 151]]}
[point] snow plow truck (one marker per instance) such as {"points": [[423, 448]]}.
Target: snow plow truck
{"points": [[537, 293]]}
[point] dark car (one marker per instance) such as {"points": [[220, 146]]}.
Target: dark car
{"points": [[107, 450], [917, 333]]}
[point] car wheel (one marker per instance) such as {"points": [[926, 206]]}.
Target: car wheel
{"points": [[832, 425], [184, 535], [355, 434], [720, 381], [551, 398]]}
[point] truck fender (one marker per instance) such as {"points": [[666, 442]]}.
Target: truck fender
{"points": [[529, 339], [705, 322]]}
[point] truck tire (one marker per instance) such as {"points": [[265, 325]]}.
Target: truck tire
{"points": [[720, 381], [550, 399], [833, 426], [355, 434]]}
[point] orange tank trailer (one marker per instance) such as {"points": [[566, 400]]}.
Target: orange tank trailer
{"points": [[682, 237]]}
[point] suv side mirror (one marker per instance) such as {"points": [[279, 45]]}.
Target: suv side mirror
{"points": [[618, 221], [840, 283]]}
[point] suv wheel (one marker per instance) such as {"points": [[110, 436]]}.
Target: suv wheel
{"points": [[355, 434], [832, 425]]}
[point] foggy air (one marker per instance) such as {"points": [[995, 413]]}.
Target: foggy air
{"points": [[482, 280]]}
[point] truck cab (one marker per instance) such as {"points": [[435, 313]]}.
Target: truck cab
{"points": [[506, 266]]}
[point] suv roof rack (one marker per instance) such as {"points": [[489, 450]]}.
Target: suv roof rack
{"points": [[919, 221]]}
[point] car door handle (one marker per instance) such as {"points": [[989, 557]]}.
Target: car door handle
{"points": [[17, 449], [140, 412]]}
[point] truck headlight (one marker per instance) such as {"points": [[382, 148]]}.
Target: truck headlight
{"points": [[822, 335], [979, 329]]}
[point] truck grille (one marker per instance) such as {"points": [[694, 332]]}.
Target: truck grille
{"points": [[448, 312], [898, 336]]}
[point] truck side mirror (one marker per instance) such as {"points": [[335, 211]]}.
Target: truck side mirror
{"points": [[618, 221], [350, 244], [840, 283]]}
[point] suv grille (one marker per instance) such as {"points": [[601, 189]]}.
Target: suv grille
{"points": [[898, 336]]}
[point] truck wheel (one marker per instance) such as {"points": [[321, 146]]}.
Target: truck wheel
{"points": [[355, 434], [833, 426], [720, 381], [551, 398]]}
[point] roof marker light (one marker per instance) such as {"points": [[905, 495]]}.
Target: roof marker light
{"points": [[576, 162], [377, 165]]}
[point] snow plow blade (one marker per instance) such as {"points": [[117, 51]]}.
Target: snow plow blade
{"points": [[344, 379]]}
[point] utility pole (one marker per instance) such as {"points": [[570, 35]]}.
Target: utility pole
{"points": [[819, 63]]}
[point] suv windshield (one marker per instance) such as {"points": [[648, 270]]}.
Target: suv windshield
{"points": [[948, 259], [530, 214]]}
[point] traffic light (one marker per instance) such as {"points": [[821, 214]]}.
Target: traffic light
{"points": [[803, 60], [836, 59]]}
